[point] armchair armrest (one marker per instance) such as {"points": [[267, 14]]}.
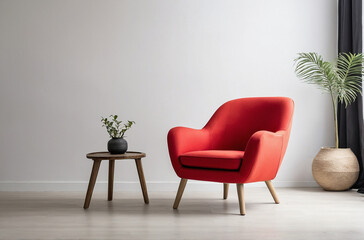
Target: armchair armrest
{"points": [[263, 155], [182, 140]]}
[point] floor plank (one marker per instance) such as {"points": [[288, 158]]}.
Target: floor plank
{"points": [[304, 213]]}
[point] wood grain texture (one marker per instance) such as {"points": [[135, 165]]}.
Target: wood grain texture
{"points": [[111, 180], [97, 157], [59, 215], [143, 185], [91, 184], [107, 155], [272, 191], [240, 188], [181, 188]]}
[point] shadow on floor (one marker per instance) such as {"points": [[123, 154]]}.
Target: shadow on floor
{"points": [[61, 205]]}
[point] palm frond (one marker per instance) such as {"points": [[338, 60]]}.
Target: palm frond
{"points": [[349, 70], [311, 68], [343, 81]]}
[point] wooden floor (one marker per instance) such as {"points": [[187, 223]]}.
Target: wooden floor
{"points": [[304, 213]]}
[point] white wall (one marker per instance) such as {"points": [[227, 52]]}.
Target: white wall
{"points": [[63, 64]]}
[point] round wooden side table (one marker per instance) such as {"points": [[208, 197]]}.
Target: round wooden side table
{"points": [[97, 157]]}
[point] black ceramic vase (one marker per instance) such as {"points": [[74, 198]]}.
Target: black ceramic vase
{"points": [[117, 145]]}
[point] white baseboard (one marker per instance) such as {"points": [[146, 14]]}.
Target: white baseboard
{"points": [[131, 186]]}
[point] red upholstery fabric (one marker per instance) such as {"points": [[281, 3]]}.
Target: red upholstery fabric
{"points": [[213, 159], [258, 126]]}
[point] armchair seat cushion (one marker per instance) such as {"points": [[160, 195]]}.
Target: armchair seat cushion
{"points": [[213, 159]]}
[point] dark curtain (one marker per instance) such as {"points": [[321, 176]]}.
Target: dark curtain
{"points": [[351, 118]]}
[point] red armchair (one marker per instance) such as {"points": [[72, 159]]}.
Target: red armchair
{"points": [[243, 142]]}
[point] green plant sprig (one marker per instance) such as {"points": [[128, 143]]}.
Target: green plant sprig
{"points": [[114, 127], [341, 79]]}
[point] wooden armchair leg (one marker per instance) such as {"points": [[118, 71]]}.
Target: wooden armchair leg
{"points": [[181, 188], [240, 188], [272, 191], [226, 190]]}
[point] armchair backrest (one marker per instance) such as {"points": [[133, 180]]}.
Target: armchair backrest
{"points": [[236, 121]]}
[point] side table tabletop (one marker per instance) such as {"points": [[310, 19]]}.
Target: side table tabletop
{"points": [[97, 157]]}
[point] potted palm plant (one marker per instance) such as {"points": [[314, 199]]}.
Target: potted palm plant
{"points": [[117, 144], [335, 168]]}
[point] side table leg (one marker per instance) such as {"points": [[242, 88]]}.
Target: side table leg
{"points": [[91, 184], [111, 179], [138, 163]]}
